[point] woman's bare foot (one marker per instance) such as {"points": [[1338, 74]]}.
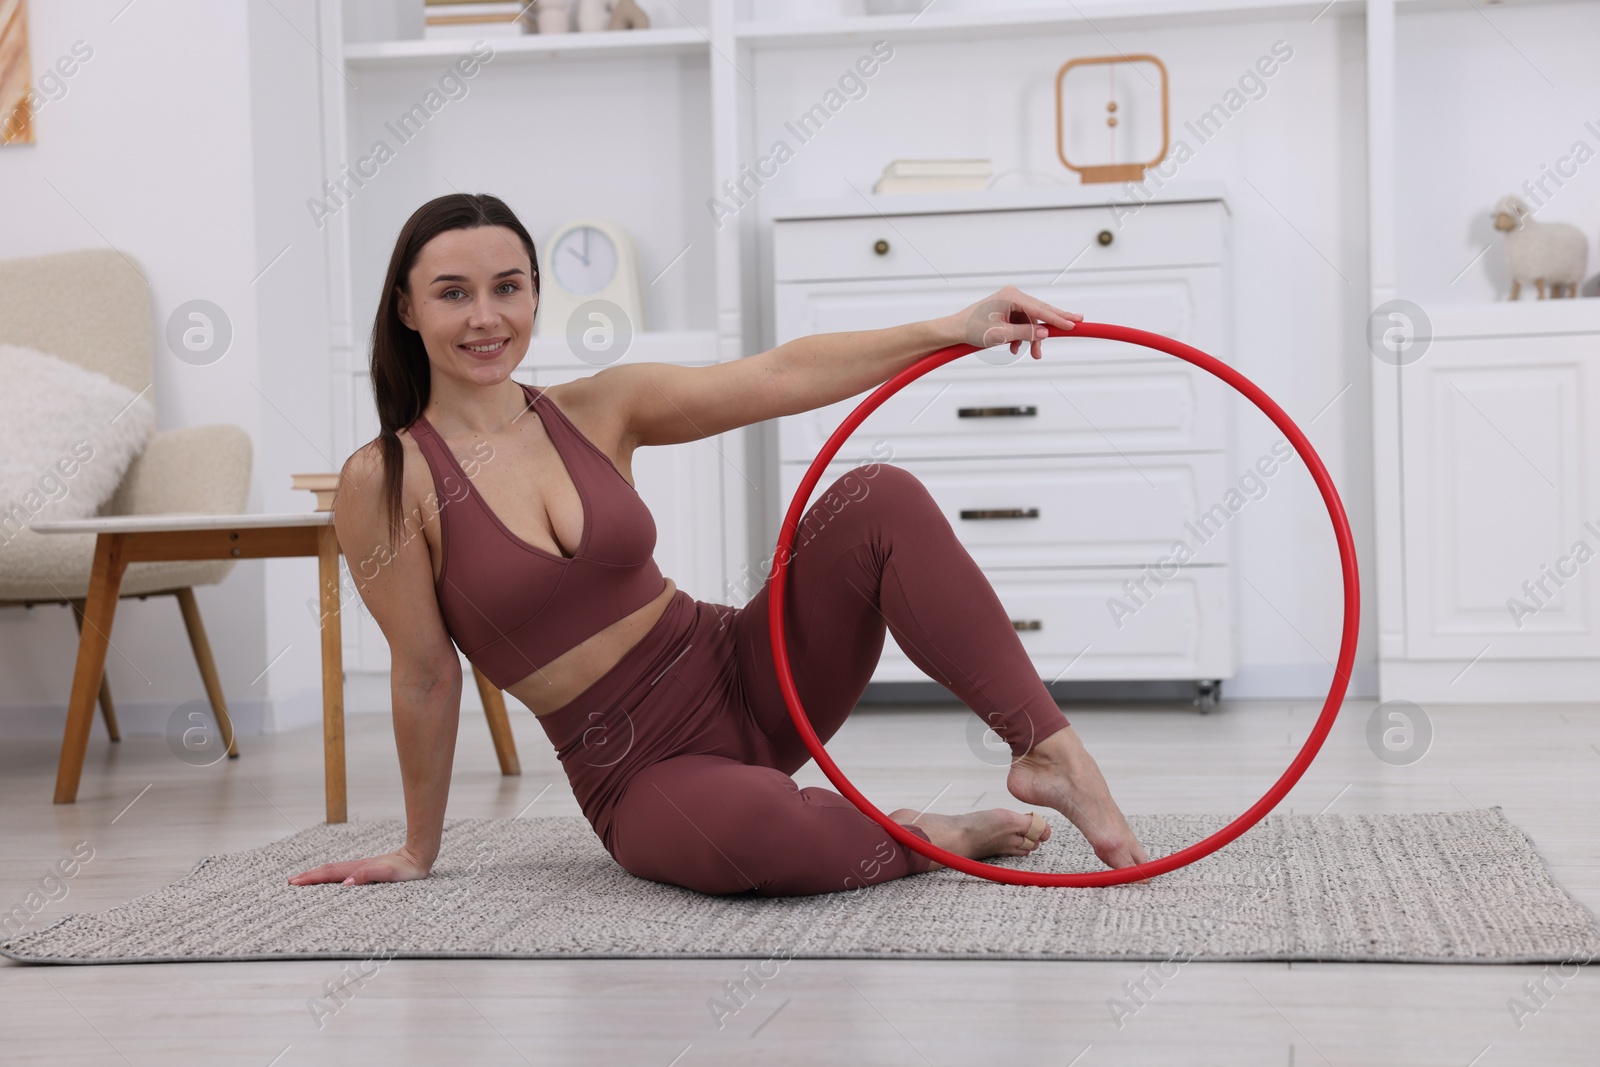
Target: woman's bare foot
{"points": [[1059, 773], [979, 834]]}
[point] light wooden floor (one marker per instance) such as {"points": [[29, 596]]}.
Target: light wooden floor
{"points": [[149, 817]]}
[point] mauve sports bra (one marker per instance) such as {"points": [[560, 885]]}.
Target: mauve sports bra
{"points": [[510, 606]]}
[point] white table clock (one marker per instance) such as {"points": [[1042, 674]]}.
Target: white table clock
{"points": [[589, 287]]}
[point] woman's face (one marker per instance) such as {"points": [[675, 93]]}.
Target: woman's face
{"points": [[472, 299]]}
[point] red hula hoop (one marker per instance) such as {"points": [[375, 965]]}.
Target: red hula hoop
{"points": [[1183, 857]]}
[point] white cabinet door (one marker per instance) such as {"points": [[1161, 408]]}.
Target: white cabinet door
{"points": [[1502, 498]]}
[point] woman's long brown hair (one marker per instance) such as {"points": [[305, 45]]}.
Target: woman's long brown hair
{"points": [[399, 366]]}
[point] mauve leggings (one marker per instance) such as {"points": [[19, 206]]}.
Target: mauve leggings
{"points": [[680, 754]]}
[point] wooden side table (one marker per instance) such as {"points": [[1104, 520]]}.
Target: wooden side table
{"points": [[125, 539]]}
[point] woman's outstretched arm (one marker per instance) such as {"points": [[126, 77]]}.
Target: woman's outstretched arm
{"points": [[663, 404]]}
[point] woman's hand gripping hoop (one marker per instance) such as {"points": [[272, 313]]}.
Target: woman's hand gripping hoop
{"points": [[1257, 811]]}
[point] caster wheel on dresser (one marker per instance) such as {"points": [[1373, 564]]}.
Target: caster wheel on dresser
{"points": [[1206, 692]]}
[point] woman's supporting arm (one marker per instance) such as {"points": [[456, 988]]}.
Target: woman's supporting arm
{"points": [[427, 712], [426, 716], [396, 585]]}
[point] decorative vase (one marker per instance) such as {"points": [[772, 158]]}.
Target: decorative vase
{"points": [[547, 16], [593, 15]]}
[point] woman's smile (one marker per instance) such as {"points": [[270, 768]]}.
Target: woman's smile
{"points": [[488, 348]]}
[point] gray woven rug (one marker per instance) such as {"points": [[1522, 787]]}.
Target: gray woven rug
{"points": [[1459, 887]]}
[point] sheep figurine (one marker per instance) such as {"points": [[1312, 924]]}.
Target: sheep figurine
{"points": [[1556, 253]]}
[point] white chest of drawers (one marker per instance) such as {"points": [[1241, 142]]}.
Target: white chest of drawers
{"points": [[1073, 479]]}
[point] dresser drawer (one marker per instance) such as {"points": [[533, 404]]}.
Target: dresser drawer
{"points": [[998, 242], [1186, 304], [1066, 624], [969, 408], [1033, 512]]}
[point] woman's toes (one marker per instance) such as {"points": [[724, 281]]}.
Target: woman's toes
{"points": [[1037, 831]]}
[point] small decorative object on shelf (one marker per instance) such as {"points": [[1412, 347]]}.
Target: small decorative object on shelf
{"points": [[934, 175], [325, 486], [454, 18], [1543, 253], [627, 15], [596, 15], [547, 16], [1123, 118]]}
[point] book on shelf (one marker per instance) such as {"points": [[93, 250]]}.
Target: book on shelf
{"points": [[939, 168], [934, 175], [499, 11], [324, 486], [465, 20]]}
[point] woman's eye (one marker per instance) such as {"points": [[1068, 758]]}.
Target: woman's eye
{"points": [[446, 295]]}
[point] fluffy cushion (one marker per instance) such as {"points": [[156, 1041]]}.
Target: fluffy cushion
{"points": [[67, 435]]}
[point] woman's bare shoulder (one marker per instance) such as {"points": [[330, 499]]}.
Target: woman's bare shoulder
{"points": [[364, 473]]}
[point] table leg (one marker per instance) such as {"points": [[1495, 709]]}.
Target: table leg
{"points": [[332, 673], [100, 608]]}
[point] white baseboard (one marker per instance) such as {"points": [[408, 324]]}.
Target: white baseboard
{"points": [[134, 718], [1299, 681], [1486, 681], [367, 693]]}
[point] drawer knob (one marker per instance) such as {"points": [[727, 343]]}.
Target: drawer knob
{"points": [[999, 513], [882, 247], [1105, 237], [1012, 412], [1026, 624]]}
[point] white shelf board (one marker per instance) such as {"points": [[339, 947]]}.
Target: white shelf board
{"points": [[1092, 15], [1016, 198], [683, 40]]}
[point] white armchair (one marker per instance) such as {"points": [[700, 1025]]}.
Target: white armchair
{"points": [[92, 307]]}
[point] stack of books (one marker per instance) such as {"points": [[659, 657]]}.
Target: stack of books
{"points": [[471, 18], [325, 486], [934, 175]]}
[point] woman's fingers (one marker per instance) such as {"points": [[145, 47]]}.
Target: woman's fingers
{"points": [[369, 872], [1038, 310], [328, 872], [387, 868], [1013, 318]]}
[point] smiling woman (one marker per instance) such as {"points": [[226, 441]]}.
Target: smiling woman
{"points": [[541, 572]]}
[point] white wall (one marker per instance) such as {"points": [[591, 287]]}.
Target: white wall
{"points": [[161, 146]]}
